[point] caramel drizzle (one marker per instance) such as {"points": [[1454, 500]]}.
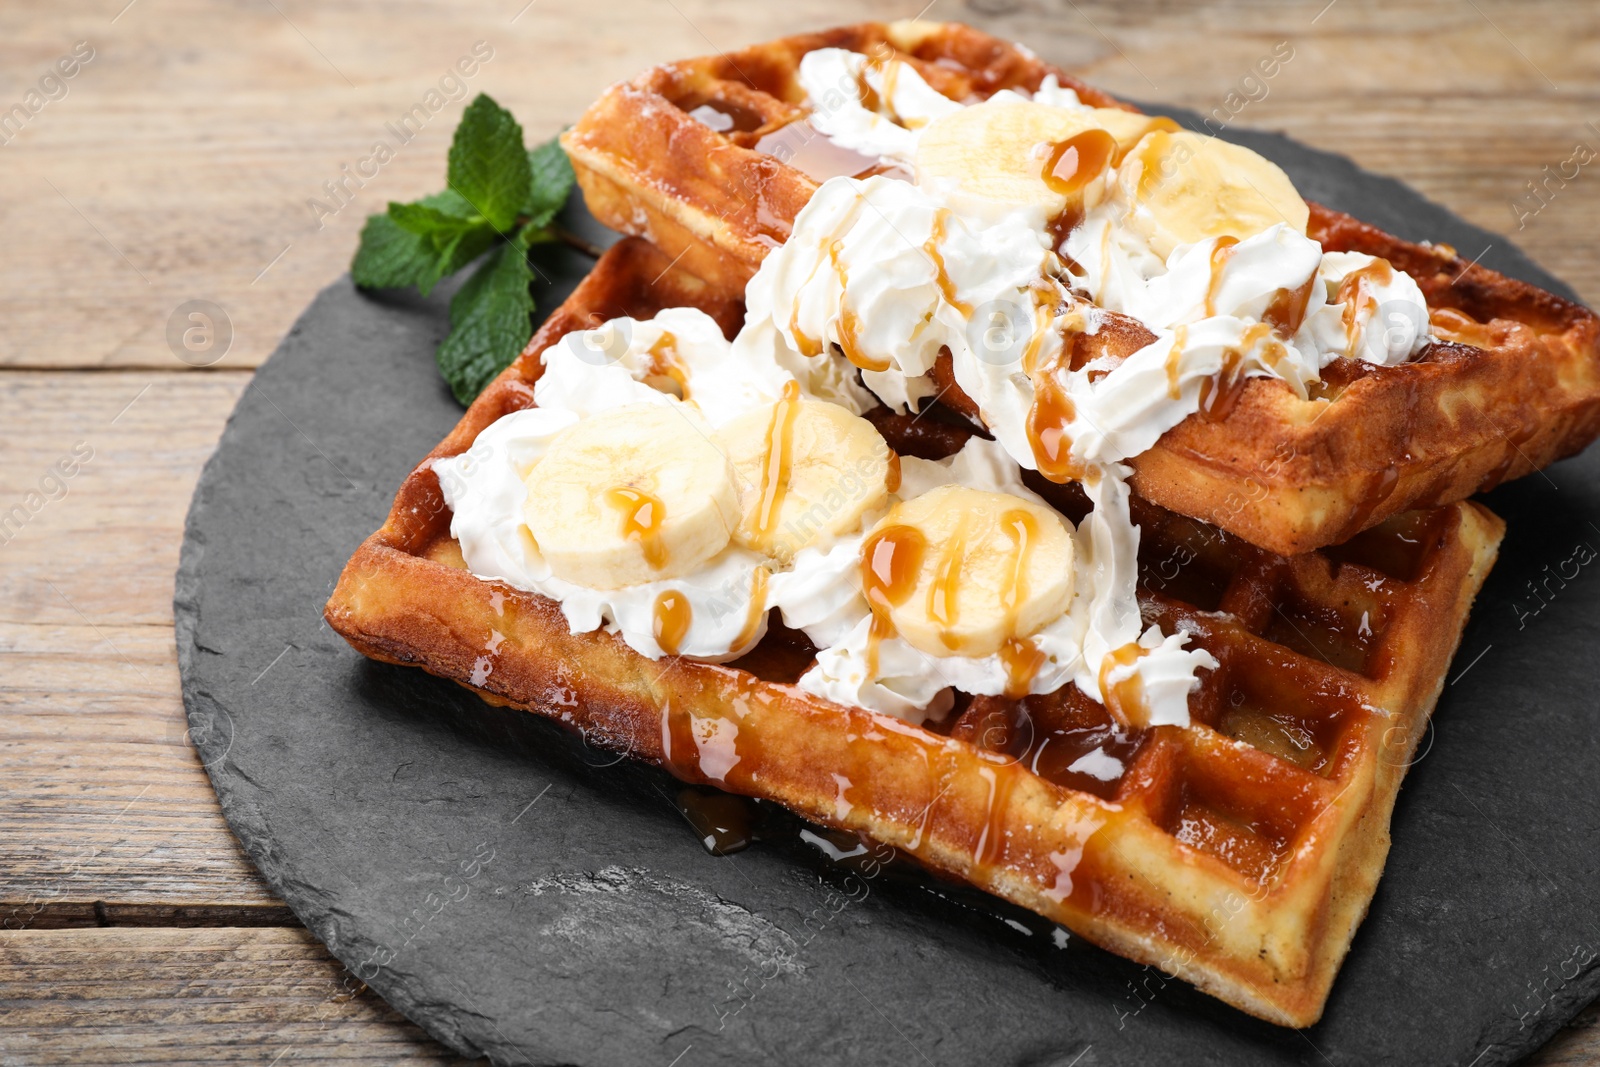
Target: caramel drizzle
{"points": [[1180, 338], [1022, 658], [1052, 411], [670, 619], [1355, 293], [757, 611], [642, 516], [891, 560], [808, 346], [849, 321], [891, 480], [941, 219], [944, 605], [1221, 252], [1070, 166], [1287, 308], [777, 471], [1126, 699], [663, 363]]}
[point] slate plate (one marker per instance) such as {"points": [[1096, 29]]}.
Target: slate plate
{"points": [[523, 895]]}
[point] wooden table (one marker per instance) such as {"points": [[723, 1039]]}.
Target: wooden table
{"points": [[177, 163]]}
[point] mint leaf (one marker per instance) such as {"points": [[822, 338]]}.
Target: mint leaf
{"points": [[491, 321], [425, 221], [488, 164], [390, 257], [454, 250], [550, 184]]}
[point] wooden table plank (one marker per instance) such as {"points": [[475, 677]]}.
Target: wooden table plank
{"points": [[270, 996], [108, 815]]}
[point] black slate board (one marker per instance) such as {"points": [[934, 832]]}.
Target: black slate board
{"points": [[523, 895]]}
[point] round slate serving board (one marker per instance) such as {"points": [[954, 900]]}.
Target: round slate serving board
{"points": [[523, 895]]}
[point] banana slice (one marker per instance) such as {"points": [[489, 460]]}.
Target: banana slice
{"points": [[808, 470], [991, 159], [632, 495], [1183, 187], [990, 568]]}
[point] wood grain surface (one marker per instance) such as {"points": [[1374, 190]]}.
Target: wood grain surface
{"points": [[178, 164]]}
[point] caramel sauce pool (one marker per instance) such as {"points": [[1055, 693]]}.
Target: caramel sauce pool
{"points": [[642, 516]]}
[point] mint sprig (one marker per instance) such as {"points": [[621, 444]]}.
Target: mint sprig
{"points": [[501, 199]]}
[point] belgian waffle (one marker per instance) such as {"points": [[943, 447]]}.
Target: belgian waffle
{"points": [[1239, 853], [1513, 385]]}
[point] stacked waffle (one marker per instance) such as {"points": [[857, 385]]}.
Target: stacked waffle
{"points": [[817, 490]]}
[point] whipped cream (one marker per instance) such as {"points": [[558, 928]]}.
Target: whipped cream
{"points": [[625, 361]]}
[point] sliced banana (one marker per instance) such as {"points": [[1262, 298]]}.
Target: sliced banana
{"points": [[991, 567], [991, 159], [1183, 187], [631, 495], [807, 471]]}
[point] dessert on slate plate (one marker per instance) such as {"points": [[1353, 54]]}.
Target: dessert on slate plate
{"points": [[958, 457]]}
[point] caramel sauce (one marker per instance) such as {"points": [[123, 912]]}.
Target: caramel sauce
{"points": [[1221, 252], [778, 468], [1052, 411], [991, 842], [891, 560], [1460, 327], [891, 481], [642, 516], [1021, 657], [1377, 491], [1287, 308], [670, 619], [941, 219], [808, 346], [1071, 165], [869, 96], [1125, 700], [725, 116], [1355, 294], [1219, 395], [1180, 337], [871, 99], [758, 608], [849, 321], [801, 146], [663, 364], [1075, 162], [944, 604], [724, 823]]}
